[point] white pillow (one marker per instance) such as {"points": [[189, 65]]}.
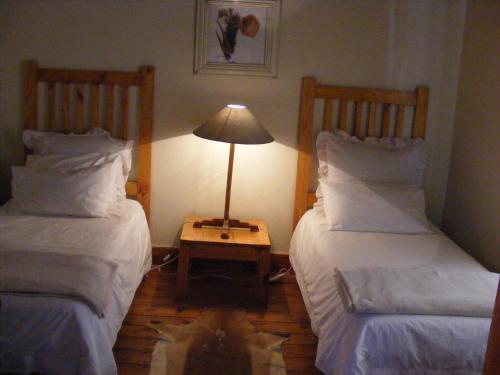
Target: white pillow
{"points": [[361, 207], [376, 160], [83, 161], [95, 140], [86, 192], [33, 139], [81, 144]]}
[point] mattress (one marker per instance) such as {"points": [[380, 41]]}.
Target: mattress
{"points": [[61, 335], [382, 344]]}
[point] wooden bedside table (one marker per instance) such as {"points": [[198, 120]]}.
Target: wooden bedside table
{"points": [[205, 243]]}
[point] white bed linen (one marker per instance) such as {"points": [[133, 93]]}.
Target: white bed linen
{"points": [[417, 291], [57, 335], [382, 344]]}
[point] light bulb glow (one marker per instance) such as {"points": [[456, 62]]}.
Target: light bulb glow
{"points": [[236, 106]]}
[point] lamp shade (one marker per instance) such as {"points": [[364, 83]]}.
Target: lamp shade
{"points": [[234, 124]]}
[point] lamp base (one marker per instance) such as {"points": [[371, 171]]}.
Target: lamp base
{"points": [[226, 224]]}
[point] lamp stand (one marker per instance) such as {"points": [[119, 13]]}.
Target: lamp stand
{"points": [[227, 223]]}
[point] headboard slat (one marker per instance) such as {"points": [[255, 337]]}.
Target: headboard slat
{"points": [[328, 114], [124, 113], [386, 120], [51, 106], [74, 113], [343, 115], [358, 126], [94, 105], [372, 119], [79, 115], [65, 108], [310, 90], [110, 112], [400, 121]]}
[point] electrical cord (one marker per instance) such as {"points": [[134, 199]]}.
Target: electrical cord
{"points": [[281, 273], [167, 260]]}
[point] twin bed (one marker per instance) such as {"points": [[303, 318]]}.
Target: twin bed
{"points": [[55, 334], [375, 343]]}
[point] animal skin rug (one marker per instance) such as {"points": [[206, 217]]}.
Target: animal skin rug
{"points": [[218, 342]]}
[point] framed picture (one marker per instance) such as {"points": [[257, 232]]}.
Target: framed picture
{"points": [[237, 37]]}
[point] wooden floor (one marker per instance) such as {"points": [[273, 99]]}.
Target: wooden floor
{"points": [[285, 314]]}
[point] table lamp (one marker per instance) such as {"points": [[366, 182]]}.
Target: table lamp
{"points": [[234, 124]]}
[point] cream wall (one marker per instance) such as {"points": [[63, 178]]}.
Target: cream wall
{"points": [[472, 212], [363, 43]]}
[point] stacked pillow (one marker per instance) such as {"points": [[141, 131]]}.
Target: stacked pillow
{"points": [[373, 185], [77, 175]]}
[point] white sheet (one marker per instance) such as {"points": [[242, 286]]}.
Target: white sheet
{"points": [[382, 344], [57, 335], [417, 291], [84, 277]]}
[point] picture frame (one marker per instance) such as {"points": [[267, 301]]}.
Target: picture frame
{"points": [[237, 37]]}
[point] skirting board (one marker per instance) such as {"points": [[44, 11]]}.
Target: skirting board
{"points": [[278, 261]]}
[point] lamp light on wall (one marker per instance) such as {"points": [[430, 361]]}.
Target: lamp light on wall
{"points": [[234, 124]]}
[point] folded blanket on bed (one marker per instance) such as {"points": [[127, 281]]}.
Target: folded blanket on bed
{"points": [[417, 291], [80, 276]]}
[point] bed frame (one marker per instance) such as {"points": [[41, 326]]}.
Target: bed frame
{"points": [[73, 89], [364, 103]]}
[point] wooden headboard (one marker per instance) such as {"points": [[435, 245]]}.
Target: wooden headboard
{"points": [[364, 103], [73, 87]]}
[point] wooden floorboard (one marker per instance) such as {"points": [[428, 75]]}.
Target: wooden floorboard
{"points": [[284, 314]]}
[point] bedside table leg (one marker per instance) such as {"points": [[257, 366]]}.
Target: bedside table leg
{"points": [[183, 272], [264, 267]]}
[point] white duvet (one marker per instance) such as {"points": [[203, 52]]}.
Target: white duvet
{"points": [[378, 343], [58, 335]]}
